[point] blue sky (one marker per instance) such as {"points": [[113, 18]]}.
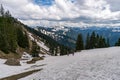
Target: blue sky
{"points": [[65, 12], [44, 2]]}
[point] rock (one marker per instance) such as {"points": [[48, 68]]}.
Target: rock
{"points": [[35, 59], [13, 62]]}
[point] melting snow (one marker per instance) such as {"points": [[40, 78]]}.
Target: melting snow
{"points": [[96, 64]]}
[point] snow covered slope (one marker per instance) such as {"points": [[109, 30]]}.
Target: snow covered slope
{"points": [[97, 64], [39, 43]]}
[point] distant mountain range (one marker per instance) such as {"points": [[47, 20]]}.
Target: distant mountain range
{"points": [[68, 35]]}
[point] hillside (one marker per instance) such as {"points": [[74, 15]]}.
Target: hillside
{"points": [[55, 48], [96, 64], [13, 36], [17, 38]]}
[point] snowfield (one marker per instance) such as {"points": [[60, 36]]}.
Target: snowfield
{"points": [[96, 64]]}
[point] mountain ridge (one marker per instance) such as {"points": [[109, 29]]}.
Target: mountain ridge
{"points": [[71, 33]]}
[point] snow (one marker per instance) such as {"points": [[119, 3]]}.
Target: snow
{"points": [[96, 64], [26, 56], [39, 43], [31, 37], [6, 70]]}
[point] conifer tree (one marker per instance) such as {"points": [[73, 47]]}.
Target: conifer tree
{"points": [[35, 49], [2, 10], [87, 46], [118, 42], [108, 43], [22, 38], [92, 40], [7, 14], [3, 44], [79, 43]]}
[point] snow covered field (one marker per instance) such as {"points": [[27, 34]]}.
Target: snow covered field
{"points": [[96, 64]]}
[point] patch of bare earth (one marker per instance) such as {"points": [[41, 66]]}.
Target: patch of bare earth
{"points": [[21, 75]]}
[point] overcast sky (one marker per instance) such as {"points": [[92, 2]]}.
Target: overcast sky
{"points": [[65, 12]]}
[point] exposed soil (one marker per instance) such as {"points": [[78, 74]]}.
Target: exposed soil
{"points": [[21, 75]]}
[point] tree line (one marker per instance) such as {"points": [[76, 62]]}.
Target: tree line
{"points": [[93, 41], [12, 34]]}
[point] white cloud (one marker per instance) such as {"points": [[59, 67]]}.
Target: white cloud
{"points": [[62, 11]]}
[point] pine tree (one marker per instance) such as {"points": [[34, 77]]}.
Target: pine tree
{"points": [[22, 38], [3, 44], [118, 42], [7, 14], [108, 43], [79, 43], [97, 41], [35, 49], [87, 46], [2, 12], [93, 40], [102, 42]]}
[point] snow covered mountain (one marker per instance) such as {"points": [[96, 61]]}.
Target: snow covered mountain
{"points": [[68, 35], [58, 33]]}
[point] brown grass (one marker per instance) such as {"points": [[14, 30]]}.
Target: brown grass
{"points": [[10, 55], [34, 60]]}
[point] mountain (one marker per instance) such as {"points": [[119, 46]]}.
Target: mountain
{"points": [[17, 38], [12, 35], [59, 34], [68, 35]]}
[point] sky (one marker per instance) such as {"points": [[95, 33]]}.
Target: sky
{"points": [[65, 12]]}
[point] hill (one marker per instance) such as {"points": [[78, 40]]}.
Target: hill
{"points": [[12, 35], [17, 38], [95, 64]]}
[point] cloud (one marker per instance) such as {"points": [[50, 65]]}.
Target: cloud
{"points": [[60, 12]]}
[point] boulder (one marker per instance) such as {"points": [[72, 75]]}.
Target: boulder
{"points": [[13, 62], [35, 59]]}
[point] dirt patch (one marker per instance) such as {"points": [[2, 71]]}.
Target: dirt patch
{"points": [[35, 59], [9, 55], [21, 75]]}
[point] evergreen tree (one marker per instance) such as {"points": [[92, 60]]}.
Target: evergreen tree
{"points": [[87, 46], [22, 38], [108, 43], [35, 49], [102, 42], [118, 42], [97, 41], [79, 43], [2, 10], [93, 40], [3, 44], [7, 14]]}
